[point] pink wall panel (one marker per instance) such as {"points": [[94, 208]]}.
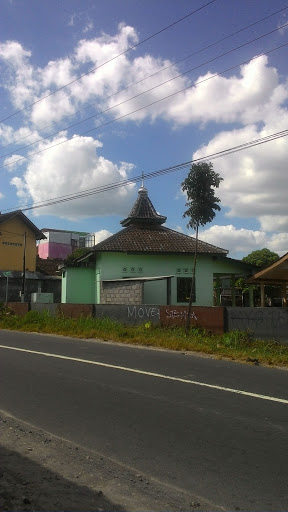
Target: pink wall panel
{"points": [[54, 250]]}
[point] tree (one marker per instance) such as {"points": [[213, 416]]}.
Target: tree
{"points": [[70, 261], [201, 207], [261, 258]]}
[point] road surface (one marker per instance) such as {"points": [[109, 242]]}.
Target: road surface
{"points": [[215, 429]]}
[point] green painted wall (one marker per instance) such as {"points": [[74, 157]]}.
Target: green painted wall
{"points": [[113, 265], [82, 285], [78, 286]]}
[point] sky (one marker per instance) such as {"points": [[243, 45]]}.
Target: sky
{"points": [[94, 93]]}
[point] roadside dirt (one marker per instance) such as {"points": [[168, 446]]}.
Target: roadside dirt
{"points": [[41, 472]]}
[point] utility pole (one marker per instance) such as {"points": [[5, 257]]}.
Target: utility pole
{"points": [[24, 271]]}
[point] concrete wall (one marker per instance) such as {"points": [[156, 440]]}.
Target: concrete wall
{"points": [[265, 323], [121, 292], [211, 319], [52, 309], [19, 308], [132, 314], [75, 310]]}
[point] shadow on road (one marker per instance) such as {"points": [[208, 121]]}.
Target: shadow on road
{"points": [[27, 486]]}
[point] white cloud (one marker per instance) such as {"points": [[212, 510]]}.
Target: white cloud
{"points": [[241, 242], [245, 98], [13, 52], [101, 235], [255, 179], [52, 109], [255, 98], [21, 81], [252, 96], [57, 72], [13, 162], [73, 168], [24, 135]]}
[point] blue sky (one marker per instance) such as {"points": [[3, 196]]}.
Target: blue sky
{"points": [[46, 45]]}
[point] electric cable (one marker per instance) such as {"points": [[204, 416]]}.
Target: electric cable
{"points": [[195, 84], [138, 82], [157, 173], [109, 60], [146, 91]]}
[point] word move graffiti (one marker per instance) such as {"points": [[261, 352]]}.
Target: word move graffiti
{"points": [[143, 312]]}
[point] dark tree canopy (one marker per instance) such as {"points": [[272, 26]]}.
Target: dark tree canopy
{"points": [[261, 258], [201, 200]]}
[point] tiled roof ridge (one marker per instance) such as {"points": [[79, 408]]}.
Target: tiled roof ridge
{"points": [[199, 239], [126, 245]]}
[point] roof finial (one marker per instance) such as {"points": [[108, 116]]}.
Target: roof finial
{"points": [[142, 190]]}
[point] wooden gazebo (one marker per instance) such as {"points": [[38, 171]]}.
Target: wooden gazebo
{"points": [[275, 274]]}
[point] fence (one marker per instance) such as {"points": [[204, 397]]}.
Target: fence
{"points": [[264, 323]]}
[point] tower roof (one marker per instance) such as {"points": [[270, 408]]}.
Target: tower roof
{"points": [[143, 212]]}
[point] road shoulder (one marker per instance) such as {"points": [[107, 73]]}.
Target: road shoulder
{"points": [[41, 472]]}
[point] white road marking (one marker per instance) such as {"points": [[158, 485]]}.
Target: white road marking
{"points": [[151, 374]]}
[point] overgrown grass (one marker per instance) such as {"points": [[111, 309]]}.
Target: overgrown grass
{"points": [[237, 345]]}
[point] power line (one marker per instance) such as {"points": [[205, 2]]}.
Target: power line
{"points": [[110, 60], [160, 172], [142, 80], [195, 84], [146, 91]]}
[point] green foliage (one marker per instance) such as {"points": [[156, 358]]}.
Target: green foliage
{"points": [[202, 204], [201, 201], [4, 310], [261, 258], [237, 345], [71, 259], [238, 339]]}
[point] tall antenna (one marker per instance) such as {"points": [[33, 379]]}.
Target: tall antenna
{"points": [[142, 180]]}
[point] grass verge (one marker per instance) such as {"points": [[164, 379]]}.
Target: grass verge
{"points": [[235, 345]]}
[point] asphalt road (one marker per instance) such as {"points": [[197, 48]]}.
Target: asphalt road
{"points": [[217, 429]]}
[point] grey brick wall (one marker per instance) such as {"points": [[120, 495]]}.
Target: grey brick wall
{"points": [[116, 292]]}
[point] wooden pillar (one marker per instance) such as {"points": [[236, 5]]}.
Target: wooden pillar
{"points": [[169, 291], [218, 290], [233, 290], [251, 295], [262, 289]]}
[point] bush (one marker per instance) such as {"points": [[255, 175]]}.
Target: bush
{"points": [[238, 339]]}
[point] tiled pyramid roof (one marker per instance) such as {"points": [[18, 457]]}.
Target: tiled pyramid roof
{"points": [[153, 240], [143, 233], [143, 212]]}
